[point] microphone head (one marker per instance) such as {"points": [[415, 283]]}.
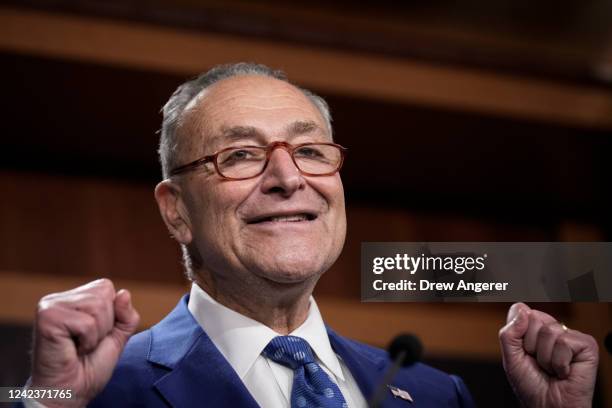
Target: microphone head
{"points": [[410, 345]]}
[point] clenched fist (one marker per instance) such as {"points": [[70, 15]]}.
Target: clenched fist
{"points": [[547, 364], [78, 337]]}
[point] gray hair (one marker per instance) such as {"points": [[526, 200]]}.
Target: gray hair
{"points": [[188, 91], [182, 98]]}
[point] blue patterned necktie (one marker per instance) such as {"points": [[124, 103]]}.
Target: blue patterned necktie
{"points": [[312, 387]]}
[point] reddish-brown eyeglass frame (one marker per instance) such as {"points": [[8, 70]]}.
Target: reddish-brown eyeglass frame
{"points": [[269, 149]]}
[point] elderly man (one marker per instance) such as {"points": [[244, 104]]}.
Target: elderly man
{"points": [[253, 195]]}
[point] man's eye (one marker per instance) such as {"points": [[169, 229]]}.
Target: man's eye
{"points": [[241, 154], [238, 155], [309, 152]]}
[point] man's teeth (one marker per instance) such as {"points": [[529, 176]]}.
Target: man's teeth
{"points": [[289, 218]]}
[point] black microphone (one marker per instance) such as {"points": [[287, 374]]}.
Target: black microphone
{"points": [[405, 350]]}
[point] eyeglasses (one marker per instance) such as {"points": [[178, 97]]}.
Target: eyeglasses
{"points": [[245, 162]]}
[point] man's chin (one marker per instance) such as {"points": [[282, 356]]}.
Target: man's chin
{"points": [[290, 274], [289, 261]]}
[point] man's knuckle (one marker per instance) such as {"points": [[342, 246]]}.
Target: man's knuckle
{"points": [[543, 317], [591, 342], [46, 329], [106, 288], [564, 341], [550, 329], [46, 312], [90, 324], [47, 301], [97, 304]]}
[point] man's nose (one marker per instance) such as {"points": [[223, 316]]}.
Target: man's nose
{"points": [[281, 175]]}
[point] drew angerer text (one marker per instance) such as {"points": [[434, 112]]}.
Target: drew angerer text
{"points": [[426, 285]]}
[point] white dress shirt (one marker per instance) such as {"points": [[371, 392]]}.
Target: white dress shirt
{"points": [[241, 340]]}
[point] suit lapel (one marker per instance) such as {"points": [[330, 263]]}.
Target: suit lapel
{"points": [[199, 374], [368, 369], [365, 367]]}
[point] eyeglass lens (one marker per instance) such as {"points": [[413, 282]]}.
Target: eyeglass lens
{"points": [[250, 161]]}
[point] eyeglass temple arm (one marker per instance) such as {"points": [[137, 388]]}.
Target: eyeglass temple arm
{"points": [[190, 166]]}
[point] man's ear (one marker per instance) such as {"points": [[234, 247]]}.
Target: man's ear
{"points": [[172, 210]]}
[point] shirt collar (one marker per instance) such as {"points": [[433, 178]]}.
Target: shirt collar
{"points": [[314, 332], [228, 331]]}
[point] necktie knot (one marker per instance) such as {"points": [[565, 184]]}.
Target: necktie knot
{"points": [[290, 351], [312, 387]]}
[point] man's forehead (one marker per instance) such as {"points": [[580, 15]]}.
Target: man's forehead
{"points": [[292, 130], [250, 105], [295, 127]]}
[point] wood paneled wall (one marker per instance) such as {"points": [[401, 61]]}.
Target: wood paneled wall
{"points": [[138, 45], [79, 227]]}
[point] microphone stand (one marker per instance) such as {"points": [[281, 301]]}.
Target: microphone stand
{"points": [[379, 395]]}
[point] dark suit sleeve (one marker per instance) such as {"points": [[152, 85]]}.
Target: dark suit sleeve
{"points": [[463, 394]]}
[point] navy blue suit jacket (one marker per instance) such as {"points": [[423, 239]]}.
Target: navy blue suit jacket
{"points": [[176, 364]]}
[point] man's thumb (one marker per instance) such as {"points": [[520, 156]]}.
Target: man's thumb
{"points": [[126, 317], [511, 335]]}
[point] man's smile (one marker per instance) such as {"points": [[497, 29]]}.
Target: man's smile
{"points": [[295, 216]]}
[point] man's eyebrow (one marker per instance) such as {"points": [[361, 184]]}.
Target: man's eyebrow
{"points": [[301, 127]]}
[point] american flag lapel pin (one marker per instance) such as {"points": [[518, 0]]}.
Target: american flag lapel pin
{"points": [[399, 393]]}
